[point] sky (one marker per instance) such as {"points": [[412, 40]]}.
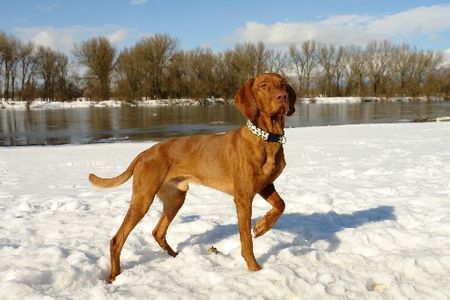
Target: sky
{"points": [[220, 24]]}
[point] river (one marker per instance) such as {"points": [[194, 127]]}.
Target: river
{"points": [[112, 124]]}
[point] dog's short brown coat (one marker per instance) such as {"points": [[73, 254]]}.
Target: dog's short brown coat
{"points": [[238, 163]]}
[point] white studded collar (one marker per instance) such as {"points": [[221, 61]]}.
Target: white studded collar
{"points": [[264, 135]]}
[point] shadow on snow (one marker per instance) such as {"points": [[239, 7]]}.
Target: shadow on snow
{"points": [[307, 229]]}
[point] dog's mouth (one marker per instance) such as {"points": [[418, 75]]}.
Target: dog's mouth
{"points": [[281, 110]]}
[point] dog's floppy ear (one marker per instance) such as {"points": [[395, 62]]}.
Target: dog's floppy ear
{"points": [[245, 100], [292, 98]]}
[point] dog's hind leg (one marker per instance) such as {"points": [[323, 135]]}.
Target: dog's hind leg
{"points": [[172, 198], [145, 185]]}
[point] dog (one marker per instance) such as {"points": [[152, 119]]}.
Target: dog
{"points": [[242, 163]]}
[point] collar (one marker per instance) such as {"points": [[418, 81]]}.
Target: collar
{"points": [[264, 135]]}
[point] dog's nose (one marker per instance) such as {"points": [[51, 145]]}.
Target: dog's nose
{"points": [[281, 96]]}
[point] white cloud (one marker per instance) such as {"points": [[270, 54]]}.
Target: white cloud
{"points": [[420, 20], [47, 7], [283, 34], [63, 39], [138, 2], [117, 36], [427, 22]]}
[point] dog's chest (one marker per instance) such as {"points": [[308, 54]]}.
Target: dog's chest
{"points": [[274, 162]]}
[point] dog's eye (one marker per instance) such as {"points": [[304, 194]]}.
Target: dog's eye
{"points": [[283, 84]]}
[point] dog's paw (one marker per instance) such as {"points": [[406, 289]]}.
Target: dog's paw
{"points": [[172, 253], [111, 279], [255, 267], [261, 227]]}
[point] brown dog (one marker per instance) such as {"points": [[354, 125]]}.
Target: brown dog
{"points": [[242, 163]]}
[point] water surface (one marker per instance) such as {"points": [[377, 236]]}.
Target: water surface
{"points": [[91, 125]]}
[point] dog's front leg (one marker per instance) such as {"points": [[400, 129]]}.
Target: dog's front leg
{"points": [[244, 213], [265, 223]]}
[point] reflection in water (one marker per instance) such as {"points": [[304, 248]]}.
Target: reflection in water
{"points": [[87, 125]]}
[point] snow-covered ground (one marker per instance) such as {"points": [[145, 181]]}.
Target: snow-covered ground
{"points": [[82, 102], [367, 217]]}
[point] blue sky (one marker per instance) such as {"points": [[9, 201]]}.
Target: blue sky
{"points": [[220, 24]]}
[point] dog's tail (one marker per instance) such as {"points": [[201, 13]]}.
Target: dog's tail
{"points": [[118, 180]]}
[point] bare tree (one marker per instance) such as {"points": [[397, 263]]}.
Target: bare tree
{"points": [[444, 84], [61, 73], [177, 75], [339, 70], [248, 59], [155, 53], [15, 45], [131, 75], [201, 67], [3, 45], [235, 66], [47, 70], [155, 68], [277, 61], [378, 61], [305, 60], [296, 61], [98, 55], [327, 61], [353, 70], [53, 68], [404, 64], [309, 60], [3, 42], [9, 55], [261, 55], [28, 64], [229, 74], [426, 67]]}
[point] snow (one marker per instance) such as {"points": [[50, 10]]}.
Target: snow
{"points": [[367, 217], [369, 99], [83, 103]]}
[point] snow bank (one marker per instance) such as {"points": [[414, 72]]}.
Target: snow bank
{"points": [[368, 99], [83, 103], [367, 217]]}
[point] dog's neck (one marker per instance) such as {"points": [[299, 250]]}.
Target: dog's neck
{"points": [[268, 129], [272, 124]]}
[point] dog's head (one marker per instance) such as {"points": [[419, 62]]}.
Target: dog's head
{"points": [[268, 94]]}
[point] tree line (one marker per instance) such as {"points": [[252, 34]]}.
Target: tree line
{"points": [[156, 68]]}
